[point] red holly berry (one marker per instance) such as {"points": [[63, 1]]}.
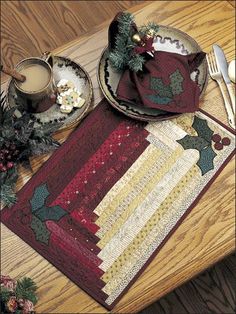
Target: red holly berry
{"points": [[3, 168], [218, 146], [225, 141], [216, 138], [10, 165]]}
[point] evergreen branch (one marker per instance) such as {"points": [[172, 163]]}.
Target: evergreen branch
{"points": [[18, 141], [43, 148], [26, 284], [5, 294], [122, 55], [17, 297], [25, 289], [136, 63], [7, 196], [144, 29]]}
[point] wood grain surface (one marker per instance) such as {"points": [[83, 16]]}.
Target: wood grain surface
{"points": [[232, 2], [213, 291], [29, 28], [211, 222]]}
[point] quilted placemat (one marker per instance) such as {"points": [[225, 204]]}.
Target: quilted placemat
{"points": [[102, 206]]}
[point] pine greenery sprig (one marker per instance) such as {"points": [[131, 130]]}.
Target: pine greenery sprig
{"points": [[122, 55], [5, 294], [19, 140], [144, 29], [17, 296], [25, 289], [7, 181], [136, 62]]}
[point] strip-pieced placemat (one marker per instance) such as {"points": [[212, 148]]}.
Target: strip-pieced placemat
{"points": [[101, 207]]}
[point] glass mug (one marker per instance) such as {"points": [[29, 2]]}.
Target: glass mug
{"points": [[39, 89]]}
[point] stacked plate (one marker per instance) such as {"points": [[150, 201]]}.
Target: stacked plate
{"points": [[168, 39]]}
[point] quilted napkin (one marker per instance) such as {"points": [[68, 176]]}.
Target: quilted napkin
{"points": [[153, 79], [164, 83]]}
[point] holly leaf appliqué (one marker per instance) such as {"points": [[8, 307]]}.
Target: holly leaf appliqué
{"points": [[193, 142], [42, 234], [176, 80], [202, 128], [205, 162], [159, 100], [202, 143], [50, 213], [163, 90], [42, 213], [39, 197]]}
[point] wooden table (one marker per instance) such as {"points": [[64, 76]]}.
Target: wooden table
{"points": [[211, 222]]}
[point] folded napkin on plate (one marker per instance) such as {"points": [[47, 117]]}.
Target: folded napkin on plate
{"points": [[153, 79], [164, 83]]}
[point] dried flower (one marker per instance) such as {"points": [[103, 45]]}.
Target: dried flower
{"points": [[21, 303], [28, 307], [8, 283], [12, 304]]}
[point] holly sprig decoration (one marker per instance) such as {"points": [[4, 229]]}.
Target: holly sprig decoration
{"points": [[203, 142], [41, 213], [18, 296], [125, 54], [164, 94], [19, 140]]}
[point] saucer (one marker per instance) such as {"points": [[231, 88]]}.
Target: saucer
{"points": [[168, 39], [63, 68]]}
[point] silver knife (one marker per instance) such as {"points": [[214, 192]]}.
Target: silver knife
{"points": [[223, 67]]}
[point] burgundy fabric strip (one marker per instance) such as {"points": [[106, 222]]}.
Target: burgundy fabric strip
{"points": [[97, 129], [77, 177]]}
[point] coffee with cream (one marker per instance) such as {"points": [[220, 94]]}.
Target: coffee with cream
{"points": [[37, 77]]}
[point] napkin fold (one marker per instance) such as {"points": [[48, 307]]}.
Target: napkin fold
{"points": [[164, 83]]}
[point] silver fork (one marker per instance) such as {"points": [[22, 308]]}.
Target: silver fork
{"points": [[217, 76]]}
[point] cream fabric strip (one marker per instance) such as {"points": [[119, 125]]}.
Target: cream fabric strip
{"points": [[183, 206], [145, 210], [106, 201], [158, 229], [168, 131], [110, 210], [187, 181], [124, 202]]}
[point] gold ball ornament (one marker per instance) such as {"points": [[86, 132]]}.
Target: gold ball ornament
{"points": [[136, 38]]}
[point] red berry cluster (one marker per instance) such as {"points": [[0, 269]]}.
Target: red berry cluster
{"points": [[8, 154], [220, 142]]}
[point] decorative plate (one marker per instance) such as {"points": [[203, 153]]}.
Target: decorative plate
{"points": [[63, 68], [168, 39]]}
